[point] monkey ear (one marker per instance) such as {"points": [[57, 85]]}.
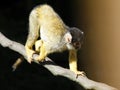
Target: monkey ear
{"points": [[68, 37]]}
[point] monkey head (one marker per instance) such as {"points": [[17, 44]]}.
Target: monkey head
{"points": [[77, 37]]}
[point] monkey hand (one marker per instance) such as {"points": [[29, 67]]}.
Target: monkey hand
{"points": [[79, 73]]}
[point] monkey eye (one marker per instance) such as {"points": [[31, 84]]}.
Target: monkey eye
{"points": [[73, 40], [76, 40]]}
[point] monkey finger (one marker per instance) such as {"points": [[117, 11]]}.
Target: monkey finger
{"points": [[80, 73]]}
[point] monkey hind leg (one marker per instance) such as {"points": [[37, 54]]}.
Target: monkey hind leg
{"points": [[38, 44]]}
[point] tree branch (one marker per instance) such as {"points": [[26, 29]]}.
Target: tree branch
{"points": [[55, 69]]}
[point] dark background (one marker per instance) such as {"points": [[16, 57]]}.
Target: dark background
{"points": [[99, 56], [14, 24]]}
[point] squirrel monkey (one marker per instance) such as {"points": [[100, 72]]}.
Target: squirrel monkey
{"points": [[55, 36]]}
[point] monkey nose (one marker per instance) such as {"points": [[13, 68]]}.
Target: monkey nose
{"points": [[77, 45]]}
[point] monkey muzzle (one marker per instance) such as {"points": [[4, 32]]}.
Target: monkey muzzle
{"points": [[77, 42], [77, 45]]}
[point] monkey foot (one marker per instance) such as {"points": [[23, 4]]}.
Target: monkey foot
{"points": [[30, 56], [39, 59]]}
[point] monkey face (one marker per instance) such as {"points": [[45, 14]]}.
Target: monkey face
{"points": [[77, 37]]}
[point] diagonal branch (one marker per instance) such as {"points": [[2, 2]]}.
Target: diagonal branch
{"points": [[55, 69]]}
